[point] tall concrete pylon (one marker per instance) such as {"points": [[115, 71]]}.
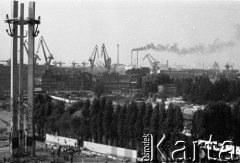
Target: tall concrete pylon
{"points": [[18, 123], [21, 107], [14, 140], [30, 126]]}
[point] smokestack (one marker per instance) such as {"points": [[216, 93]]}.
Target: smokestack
{"points": [[117, 54], [131, 58], [167, 63], [137, 59]]}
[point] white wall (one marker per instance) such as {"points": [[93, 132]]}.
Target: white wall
{"points": [[106, 149], [63, 99], [61, 140]]}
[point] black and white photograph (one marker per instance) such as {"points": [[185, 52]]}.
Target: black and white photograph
{"points": [[119, 81]]}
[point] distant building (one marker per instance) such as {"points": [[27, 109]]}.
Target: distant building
{"points": [[64, 79], [5, 79], [167, 89], [179, 74], [123, 84]]}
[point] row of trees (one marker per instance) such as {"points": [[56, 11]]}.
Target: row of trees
{"points": [[201, 89], [100, 122], [218, 119]]}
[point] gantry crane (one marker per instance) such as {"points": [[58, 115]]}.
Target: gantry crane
{"points": [[215, 66], [49, 58], [36, 57], [61, 63], [153, 62], [107, 59], [227, 69], [74, 64], [84, 63], [55, 63], [93, 57]]}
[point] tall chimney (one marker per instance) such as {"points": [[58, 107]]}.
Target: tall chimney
{"points": [[167, 63], [117, 54], [131, 58], [137, 59]]}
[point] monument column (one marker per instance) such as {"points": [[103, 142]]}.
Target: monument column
{"points": [[14, 142], [30, 126], [21, 107]]}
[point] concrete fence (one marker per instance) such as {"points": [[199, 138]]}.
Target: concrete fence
{"points": [[106, 149], [61, 140]]}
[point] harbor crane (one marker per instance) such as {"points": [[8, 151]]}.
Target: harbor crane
{"points": [[153, 62], [93, 57], [84, 63], [228, 66], [107, 59], [61, 63], [74, 64], [36, 57], [49, 58], [55, 63], [215, 66]]}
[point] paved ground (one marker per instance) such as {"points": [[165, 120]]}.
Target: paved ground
{"points": [[77, 157], [43, 153]]}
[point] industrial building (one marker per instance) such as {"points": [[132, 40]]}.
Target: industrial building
{"points": [[5, 79], [123, 84]]}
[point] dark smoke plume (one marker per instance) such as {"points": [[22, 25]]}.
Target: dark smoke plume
{"points": [[216, 46]]}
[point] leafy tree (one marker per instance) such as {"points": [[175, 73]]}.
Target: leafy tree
{"points": [[64, 125], [139, 127], [114, 126], [131, 125], [43, 109], [217, 121], [170, 122], [75, 107], [235, 123], [197, 124], [121, 125], [95, 107], [162, 118], [100, 125], [107, 120], [147, 116], [76, 127], [178, 119], [154, 122], [99, 89], [57, 112], [84, 127]]}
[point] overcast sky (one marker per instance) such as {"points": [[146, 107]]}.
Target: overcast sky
{"points": [[208, 30]]}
